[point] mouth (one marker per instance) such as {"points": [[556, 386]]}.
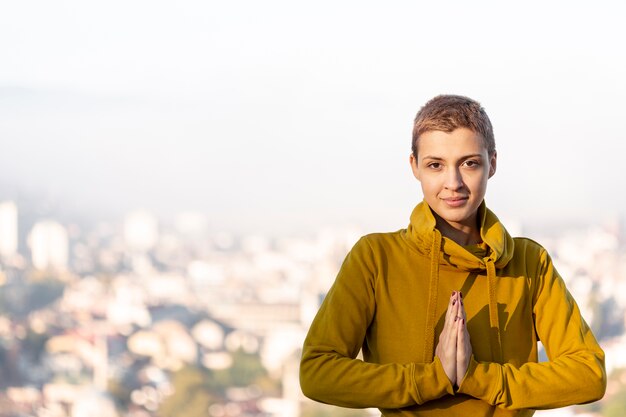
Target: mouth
{"points": [[455, 201]]}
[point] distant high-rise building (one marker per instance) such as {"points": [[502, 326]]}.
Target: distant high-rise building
{"points": [[141, 230], [49, 245], [8, 229]]}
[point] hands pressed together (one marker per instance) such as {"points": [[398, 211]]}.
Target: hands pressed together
{"points": [[454, 349]]}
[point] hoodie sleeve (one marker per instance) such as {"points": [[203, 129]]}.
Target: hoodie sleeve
{"points": [[329, 370], [574, 373]]}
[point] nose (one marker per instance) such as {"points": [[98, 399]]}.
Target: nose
{"points": [[454, 180]]}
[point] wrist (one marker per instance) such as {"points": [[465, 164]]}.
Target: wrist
{"points": [[468, 372]]}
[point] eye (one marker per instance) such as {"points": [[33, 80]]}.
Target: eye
{"points": [[471, 163], [434, 165]]}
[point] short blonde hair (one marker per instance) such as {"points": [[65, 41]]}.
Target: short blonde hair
{"points": [[449, 112]]}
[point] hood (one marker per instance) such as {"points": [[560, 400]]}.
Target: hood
{"points": [[423, 235], [422, 232]]}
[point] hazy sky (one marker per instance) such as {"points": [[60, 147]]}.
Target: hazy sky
{"points": [[286, 115]]}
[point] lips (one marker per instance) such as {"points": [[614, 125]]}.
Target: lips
{"points": [[455, 201]]}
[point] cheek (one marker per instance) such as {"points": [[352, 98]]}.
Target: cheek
{"points": [[429, 187], [479, 183]]}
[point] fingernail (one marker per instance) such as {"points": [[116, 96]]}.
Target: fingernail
{"points": [[453, 292]]}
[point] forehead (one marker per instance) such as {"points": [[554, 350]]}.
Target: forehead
{"points": [[458, 143]]}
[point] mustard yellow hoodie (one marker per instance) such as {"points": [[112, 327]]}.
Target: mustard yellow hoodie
{"points": [[390, 299]]}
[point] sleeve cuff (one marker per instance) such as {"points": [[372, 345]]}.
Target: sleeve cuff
{"points": [[480, 380], [431, 381]]}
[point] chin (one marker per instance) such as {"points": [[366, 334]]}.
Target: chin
{"points": [[456, 217]]}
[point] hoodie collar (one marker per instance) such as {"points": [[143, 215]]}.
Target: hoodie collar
{"points": [[421, 233]]}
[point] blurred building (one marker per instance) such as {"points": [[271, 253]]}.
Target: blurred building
{"points": [[141, 230], [49, 245], [191, 224], [8, 229]]}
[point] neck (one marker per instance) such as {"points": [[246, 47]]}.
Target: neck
{"points": [[461, 234]]}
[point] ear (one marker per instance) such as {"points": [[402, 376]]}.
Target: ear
{"points": [[493, 163], [413, 162]]}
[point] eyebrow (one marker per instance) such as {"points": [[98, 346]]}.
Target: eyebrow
{"points": [[438, 158]]}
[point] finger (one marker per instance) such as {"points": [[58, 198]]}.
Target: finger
{"points": [[460, 332], [456, 308], [449, 320], [452, 334], [451, 303], [448, 334], [462, 306], [463, 352], [464, 346], [466, 337]]}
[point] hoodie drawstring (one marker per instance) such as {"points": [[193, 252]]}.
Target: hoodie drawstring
{"points": [[432, 298], [496, 339]]}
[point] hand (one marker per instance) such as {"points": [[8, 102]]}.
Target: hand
{"points": [[463, 346], [447, 346]]}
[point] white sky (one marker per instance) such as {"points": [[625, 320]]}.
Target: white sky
{"points": [[287, 116]]}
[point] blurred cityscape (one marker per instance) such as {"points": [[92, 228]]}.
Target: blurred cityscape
{"points": [[142, 318]]}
